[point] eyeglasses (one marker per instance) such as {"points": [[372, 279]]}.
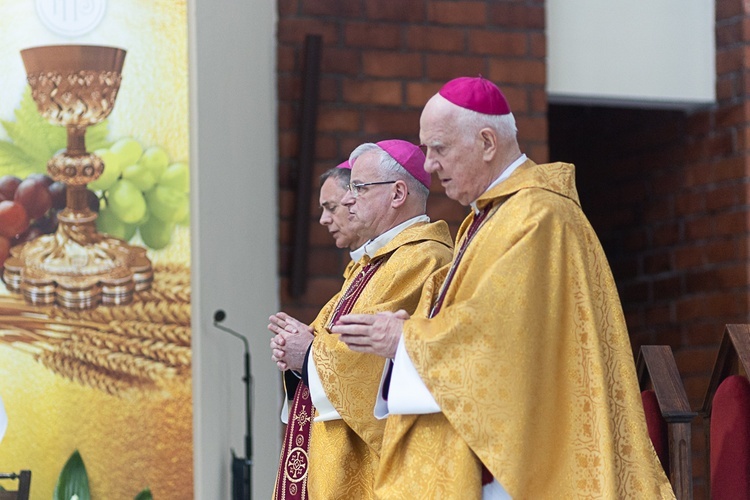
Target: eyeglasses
{"points": [[356, 189]]}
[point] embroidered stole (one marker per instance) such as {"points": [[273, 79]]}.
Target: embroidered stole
{"points": [[291, 478]]}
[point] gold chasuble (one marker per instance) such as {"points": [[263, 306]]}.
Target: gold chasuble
{"points": [[344, 453], [528, 358]]}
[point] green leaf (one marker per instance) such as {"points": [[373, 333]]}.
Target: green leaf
{"points": [[144, 495], [13, 161], [73, 480]]}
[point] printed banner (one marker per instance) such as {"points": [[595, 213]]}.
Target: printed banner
{"points": [[95, 338]]}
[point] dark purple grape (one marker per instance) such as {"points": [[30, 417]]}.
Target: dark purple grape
{"points": [[46, 179], [8, 186], [93, 201], [48, 223], [34, 196], [58, 192]]}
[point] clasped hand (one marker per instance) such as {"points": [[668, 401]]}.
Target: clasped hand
{"points": [[289, 345], [372, 333]]}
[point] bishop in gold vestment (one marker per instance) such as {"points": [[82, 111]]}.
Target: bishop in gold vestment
{"points": [[344, 454], [530, 364]]}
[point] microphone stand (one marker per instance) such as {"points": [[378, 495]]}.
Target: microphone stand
{"points": [[241, 467]]}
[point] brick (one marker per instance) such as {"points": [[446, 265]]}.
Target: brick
{"points": [[286, 202], [392, 64], [666, 234], [517, 71], [326, 261], [395, 10], [295, 30], [460, 13], [328, 89], [325, 148], [715, 305], [538, 43], [658, 315], [688, 258], [435, 39], [288, 144], [418, 93], [335, 8], [373, 92], [730, 168], [657, 262], [724, 251], [539, 102], [538, 152], [516, 16], [667, 288], [692, 202], [498, 44], [443, 67], [403, 124], [730, 116], [372, 35], [287, 7], [533, 129], [728, 224], [725, 197], [729, 60], [698, 228], [727, 10], [727, 88], [288, 87], [287, 116], [332, 119], [285, 58], [340, 61]]}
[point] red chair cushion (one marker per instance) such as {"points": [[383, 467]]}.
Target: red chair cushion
{"points": [[657, 427], [730, 439]]}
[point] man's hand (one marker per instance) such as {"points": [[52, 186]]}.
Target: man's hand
{"points": [[372, 333], [289, 345]]}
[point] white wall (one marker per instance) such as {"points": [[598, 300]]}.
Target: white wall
{"points": [[234, 249], [652, 52]]}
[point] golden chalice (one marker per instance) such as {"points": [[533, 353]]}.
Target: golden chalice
{"points": [[75, 86]]}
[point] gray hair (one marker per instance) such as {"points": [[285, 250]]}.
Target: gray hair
{"points": [[389, 164], [340, 175], [472, 122]]}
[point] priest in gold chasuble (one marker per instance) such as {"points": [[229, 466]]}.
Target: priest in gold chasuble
{"points": [[387, 196], [515, 377]]}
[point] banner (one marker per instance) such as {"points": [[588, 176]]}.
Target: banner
{"points": [[95, 338]]}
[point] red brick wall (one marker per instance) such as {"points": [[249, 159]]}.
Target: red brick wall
{"points": [[381, 61]]}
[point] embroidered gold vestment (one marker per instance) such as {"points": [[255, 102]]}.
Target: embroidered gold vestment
{"points": [[344, 453], [529, 360]]}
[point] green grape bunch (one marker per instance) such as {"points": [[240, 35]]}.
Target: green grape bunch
{"points": [[141, 191]]}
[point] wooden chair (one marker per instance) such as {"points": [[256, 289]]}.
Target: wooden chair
{"points": [[726, 411], [24, 485], [668, 415]]}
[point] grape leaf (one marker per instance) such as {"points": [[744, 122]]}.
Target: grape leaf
{"points": [[13, 161], [35, 140]]}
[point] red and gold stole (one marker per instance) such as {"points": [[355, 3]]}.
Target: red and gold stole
{"points": [[291, 478]]}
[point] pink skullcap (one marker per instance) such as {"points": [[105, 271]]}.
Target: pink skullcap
{"points": [[477, 94], [344, 164], [408, 156]]}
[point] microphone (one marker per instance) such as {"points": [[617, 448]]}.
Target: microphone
{"points": [[241, 473]]}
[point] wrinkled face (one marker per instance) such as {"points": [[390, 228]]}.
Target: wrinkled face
{"points": [[367, 211], [335, 216], [453, 155]]}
